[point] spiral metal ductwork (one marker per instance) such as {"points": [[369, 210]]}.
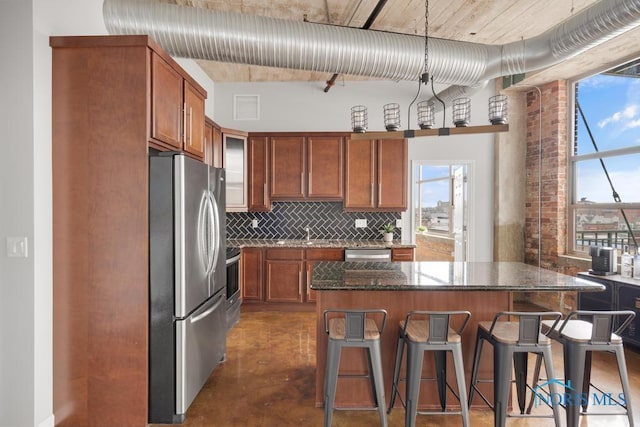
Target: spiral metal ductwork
{"points": [[230, 37]]}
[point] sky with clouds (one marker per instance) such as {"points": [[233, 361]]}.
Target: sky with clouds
{"points": [[611, 105]]}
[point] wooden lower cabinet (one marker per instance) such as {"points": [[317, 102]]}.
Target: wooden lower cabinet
{"points": [[402, 254], [284, 281], [251, 275], [282, 275]]}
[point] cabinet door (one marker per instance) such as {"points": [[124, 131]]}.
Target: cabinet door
{"points": [[208, 143], [392, 174], [166, 103], [217, 147], [311, 294], [284, 281], [287, 168], [360, 174], [193, 121], [235, 161], [251, 275], [325, 166], [629, 299], [258, 174]]}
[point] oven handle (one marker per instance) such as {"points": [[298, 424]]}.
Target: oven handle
{"points": [[233, 259]]}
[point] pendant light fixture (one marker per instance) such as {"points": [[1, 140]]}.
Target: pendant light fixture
{"points": [[461, 107]]}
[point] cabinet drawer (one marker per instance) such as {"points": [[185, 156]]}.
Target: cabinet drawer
{"points": [[402, 254], [325, 254], [285, 254]]}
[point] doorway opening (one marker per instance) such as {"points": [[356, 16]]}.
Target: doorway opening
{"points": [[440, 213]]}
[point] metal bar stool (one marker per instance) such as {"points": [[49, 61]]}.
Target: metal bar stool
{"points": [[354, 328], [424, 331], [513, 340], [582, 333]]}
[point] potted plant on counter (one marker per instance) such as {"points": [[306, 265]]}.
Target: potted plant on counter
{"points": [[387, 232]]}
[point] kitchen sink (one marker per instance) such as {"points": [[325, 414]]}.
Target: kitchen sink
{"points": [[302, 242]]}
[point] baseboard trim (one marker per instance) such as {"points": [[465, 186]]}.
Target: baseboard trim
{"points": [[49, 422]]}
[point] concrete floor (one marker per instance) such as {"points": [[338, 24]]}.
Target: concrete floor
{"points": [[269, 374]]}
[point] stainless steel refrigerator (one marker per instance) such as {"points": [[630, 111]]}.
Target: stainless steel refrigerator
{"points": [[187, 274]]}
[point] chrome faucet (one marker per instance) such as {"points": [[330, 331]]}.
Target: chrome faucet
{"points": [[308, 230]]}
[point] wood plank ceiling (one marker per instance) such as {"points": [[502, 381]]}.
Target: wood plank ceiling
{"points": [[481, 21]]}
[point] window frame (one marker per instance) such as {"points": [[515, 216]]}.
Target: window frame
{"points": [[573, 160]]}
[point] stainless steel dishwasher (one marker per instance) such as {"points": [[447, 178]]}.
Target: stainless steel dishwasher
{"points": [[367, 254]]}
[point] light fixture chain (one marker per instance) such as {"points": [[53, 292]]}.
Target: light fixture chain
{"points": [[426, 36]]}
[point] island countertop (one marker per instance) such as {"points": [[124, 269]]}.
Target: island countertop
{"points": [[443, 276]]}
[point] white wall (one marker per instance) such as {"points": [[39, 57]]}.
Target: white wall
{"points": [[17, 281], [25, 196], [304, 106]]}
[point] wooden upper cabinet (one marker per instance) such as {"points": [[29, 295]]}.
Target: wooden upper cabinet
{"points": [[194, 121], [208, 142], [259, 174], [304, 167], [218, 155], [376, 175], [177, 109], [325, 166], [234, 150], [287, 167], [166, 102], [392, 174], [360, 171]]}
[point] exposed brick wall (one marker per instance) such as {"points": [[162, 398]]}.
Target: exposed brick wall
{"points": [[430, 247], [546, 191], [546, 184]]}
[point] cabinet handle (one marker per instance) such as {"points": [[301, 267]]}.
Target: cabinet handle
{"points": [[190, 124], [184, 123], [264, 193], [379, 193], [372, 191], [300, 283], [302, 183]]}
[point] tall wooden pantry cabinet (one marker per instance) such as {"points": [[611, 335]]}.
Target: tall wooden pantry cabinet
{"points": [[114, 99]]}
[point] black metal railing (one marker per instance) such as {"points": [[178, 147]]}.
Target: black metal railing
{"points": [[607, 238]]}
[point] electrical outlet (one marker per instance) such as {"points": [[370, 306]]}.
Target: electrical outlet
{"points": [[398, 223], [254, 223], [361, 223]]}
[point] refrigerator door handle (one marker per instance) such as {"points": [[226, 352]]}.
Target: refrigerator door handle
{"points": [[204, 234], [199, 316], [215, 226]]}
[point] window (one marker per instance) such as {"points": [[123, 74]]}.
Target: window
{"points": [[606, 157], [440, 211]]}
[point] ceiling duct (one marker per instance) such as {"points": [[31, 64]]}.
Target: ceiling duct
{"points": [[230, 37]]}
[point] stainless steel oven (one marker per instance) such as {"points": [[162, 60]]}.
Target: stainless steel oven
{"points": [[233, 287]]}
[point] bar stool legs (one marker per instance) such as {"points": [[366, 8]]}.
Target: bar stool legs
{"points": [[429, 331], [353, 328], [580, 338], [511, 342]]}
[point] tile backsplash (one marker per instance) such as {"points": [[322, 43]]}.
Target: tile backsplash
{"points": [[326, 220]]}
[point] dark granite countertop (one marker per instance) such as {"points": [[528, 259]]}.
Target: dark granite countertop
{"points": [[443, 276], [614, 278], [316, 243]]}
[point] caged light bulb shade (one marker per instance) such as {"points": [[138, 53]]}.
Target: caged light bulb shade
{"points": [[461, 112], [498, 109], [426, 116], [359, 121], [391, 117]]}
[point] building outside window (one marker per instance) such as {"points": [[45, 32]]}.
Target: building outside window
{"points": [[605, 160]]}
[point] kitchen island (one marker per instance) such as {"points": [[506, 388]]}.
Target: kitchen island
{"points": [[483, 288]]}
